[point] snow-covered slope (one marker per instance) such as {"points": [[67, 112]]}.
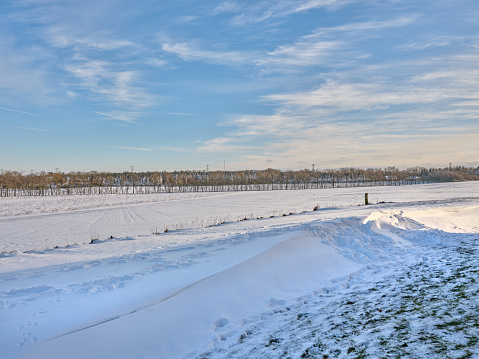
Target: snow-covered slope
{"points": [[237, 289]]}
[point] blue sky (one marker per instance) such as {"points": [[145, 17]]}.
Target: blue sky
{"points": [[166, 85]]}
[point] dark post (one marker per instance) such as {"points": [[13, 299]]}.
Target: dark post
{"points": [[366, 201]]}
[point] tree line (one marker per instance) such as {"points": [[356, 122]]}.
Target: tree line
{"points": [[14, 183]]}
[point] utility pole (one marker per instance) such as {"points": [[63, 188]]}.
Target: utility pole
{"points": [[224, 166], [313, 167]]}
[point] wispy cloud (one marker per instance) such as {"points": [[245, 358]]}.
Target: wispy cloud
{"points": [[436, 41], [131, 148], [34, 129], [226, 7], [243, 13], [103, 81], [300, 54], [266, 10], [176, 149], [62, 37], [303, 53], [277, 125], [375, 122], [18, 111], [224, 145], [129, 117], [321, 47], [187, 19], [22, 75], [189, 52], [318, 81], [355, 27], [338, 97], [314, 4], [182, 114], [90, 60], [157, 62]]}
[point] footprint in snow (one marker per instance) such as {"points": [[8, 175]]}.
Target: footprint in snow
{"points": [[27, 337], [273, 302], [220, 323]]}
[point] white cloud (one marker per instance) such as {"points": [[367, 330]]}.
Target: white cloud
{"points": [[328, 47], [420, 120], [115, 86], [345, 145], [131, 148], [314, 4], [466, 75], [188, 52], [90, 73], [18, 111], [435, 41], [21, 74], [226, 7], [277, 125], [187, 19], [224, 145], [182, 114], [274, 9], [79, 55], [176, 149], [284, 58], [338, 97], [157, 62], [303, 53], [125, 116], [34, 129], [356, 27]]}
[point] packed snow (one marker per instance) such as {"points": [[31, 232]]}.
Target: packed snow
{"points": [[397, 278]]}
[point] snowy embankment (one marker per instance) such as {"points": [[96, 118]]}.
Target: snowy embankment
{"points": [[294, 286]]}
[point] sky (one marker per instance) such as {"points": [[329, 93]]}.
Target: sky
{"points": [[169, 85]]}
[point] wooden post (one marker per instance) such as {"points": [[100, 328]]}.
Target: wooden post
{"points": [[366, 201]]}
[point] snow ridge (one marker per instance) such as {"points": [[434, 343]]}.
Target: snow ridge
{"points": [[422, 308]]}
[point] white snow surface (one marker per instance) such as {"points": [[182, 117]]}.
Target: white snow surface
{"points": [[342, 281]]}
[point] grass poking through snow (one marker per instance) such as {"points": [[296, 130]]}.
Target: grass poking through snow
{"points": [[425, 310]]}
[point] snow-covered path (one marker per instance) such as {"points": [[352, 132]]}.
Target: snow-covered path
{"points": [[224, 290]]}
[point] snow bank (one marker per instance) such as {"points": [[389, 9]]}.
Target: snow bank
{"points": [[450, 219], [454, 220], [189, 318], [315, 256]]}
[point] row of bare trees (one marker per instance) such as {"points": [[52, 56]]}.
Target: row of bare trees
{"points": [[14, 183]]}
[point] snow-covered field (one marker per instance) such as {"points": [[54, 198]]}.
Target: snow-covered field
{"points": [[392, 279]]}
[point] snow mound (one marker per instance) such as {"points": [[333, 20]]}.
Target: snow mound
{"points": [[185, 320], [315, 257], [449, 219], [453, 220]]}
